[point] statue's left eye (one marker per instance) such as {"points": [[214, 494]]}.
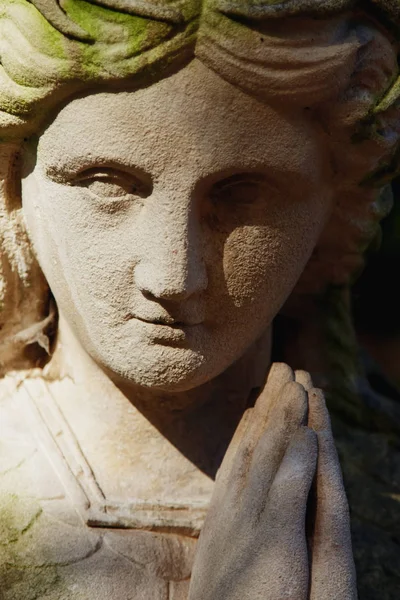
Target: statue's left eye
{"points": [[244, 188], [109, 184]]}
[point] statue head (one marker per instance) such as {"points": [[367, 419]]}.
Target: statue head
{"points": [[175, 171]]}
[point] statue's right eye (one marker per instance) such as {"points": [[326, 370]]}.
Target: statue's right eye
{"points": [[112, 185]]}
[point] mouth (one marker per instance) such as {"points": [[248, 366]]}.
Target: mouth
{"points": [[168, 331], [168, 322]]}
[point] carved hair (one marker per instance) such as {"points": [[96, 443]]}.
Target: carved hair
{"points": [[53, 49]]}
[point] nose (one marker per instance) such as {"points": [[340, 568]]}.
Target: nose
{"points": [[171, 266]]}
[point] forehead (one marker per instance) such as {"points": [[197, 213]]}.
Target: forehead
{"points": [[193, 118]]}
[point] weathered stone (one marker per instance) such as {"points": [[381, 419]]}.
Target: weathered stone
{"points": [[176, 179]]}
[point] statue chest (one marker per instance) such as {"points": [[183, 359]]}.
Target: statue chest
{"points": [[61, 541]]}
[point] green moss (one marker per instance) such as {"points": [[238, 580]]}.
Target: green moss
{"points": [[36, 29], [390, 98], [94, 18], [16, 517], [118, 36], [28, 583]]}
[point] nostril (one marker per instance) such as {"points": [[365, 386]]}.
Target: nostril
{"points": [[161, 291], [170, 282], [167, 294], [148, 295]]}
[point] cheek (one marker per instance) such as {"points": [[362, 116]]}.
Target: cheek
{"points": [[83, 254], [262, 264], [250, 256]]}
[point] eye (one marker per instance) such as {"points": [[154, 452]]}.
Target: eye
{"points": [[112, 184], [245, 188]]}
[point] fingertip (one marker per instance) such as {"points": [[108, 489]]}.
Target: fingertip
{"points": [[279, 374], [293, 403], [294, 388], [304, 378]]}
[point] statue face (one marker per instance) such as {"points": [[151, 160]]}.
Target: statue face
{"points": [[172, 222]]}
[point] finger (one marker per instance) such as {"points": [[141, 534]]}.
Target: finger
{"points": [[332, 566], [269, 404], [279, 375], [288, 414], [287, 499], [318, 415], [276, 396], [234, 470], [265, 463], [291, 408], [304, 378], [260, 465], [284, 518], [329, 476], [226, 485], [229, 458]]}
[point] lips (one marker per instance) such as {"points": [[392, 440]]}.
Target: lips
{"points": [[167, 321]]}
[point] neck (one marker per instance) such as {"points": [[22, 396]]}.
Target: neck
{"points": [[199, 423]]}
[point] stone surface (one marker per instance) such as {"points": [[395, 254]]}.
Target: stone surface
{"points": [[178, 179]]}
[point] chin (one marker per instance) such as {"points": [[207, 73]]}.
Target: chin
{"points": [[167, 369]]}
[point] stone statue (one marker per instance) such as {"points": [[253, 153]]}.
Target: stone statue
{"points": [[173, 176]]}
